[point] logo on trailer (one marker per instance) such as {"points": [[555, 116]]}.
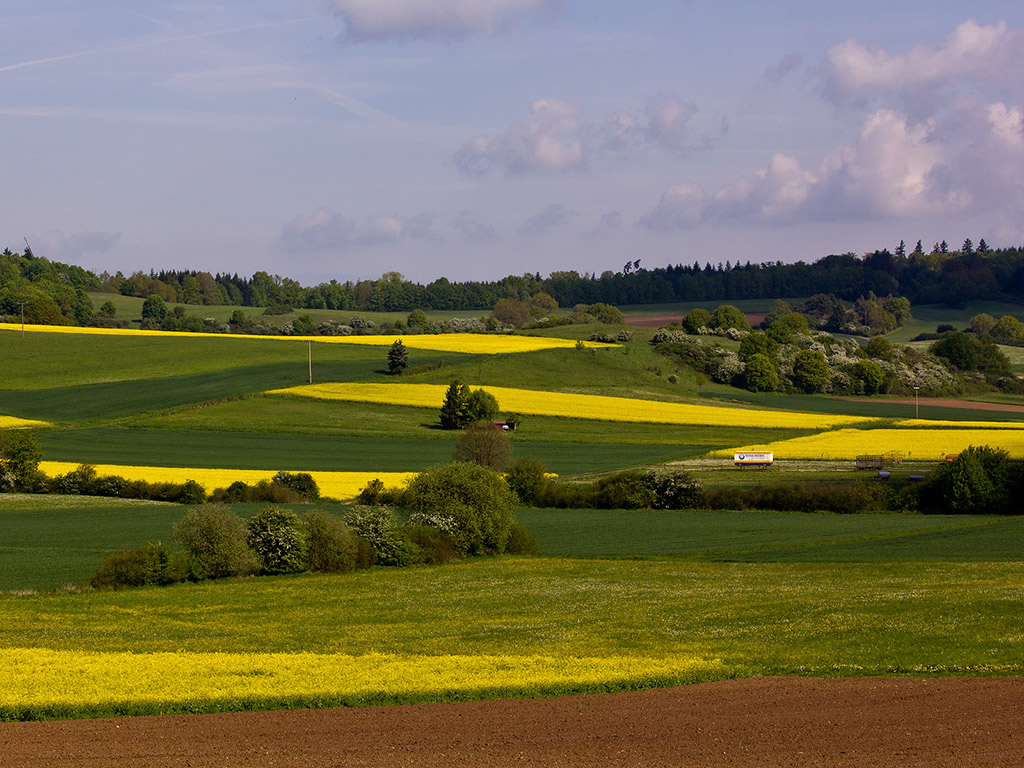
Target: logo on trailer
{"points": [[753, 459]]}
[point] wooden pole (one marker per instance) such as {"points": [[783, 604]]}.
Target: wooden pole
{"points": [[309, 342]]}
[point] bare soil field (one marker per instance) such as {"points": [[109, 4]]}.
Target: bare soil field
{"points": [[751, 723], [942, 402]]}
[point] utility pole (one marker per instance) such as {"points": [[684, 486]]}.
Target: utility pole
{"points": [[309, 342], [23, 303]]}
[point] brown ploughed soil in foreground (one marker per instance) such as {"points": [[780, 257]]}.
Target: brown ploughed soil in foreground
{"points": [[781, 721]]}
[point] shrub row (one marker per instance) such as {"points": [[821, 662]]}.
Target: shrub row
{"points": [[216, 543]]}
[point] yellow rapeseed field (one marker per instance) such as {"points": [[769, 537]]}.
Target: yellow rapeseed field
{"points": [[912, 444], [64, 682], [937, 424], [472, 343], [598, 407], [335, 485], [13, 422]]}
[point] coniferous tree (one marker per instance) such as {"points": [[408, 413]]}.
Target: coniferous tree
{"points": [[398, 358]]}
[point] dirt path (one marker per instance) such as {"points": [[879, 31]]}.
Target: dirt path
{"points": [[948, 402], [760, 722]]}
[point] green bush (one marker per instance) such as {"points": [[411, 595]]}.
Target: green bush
{"points": [[20, 455], [674, 489], [435, 546], [521, 541], [215, 542], [981, 480], [810, 371], [376, 525], [696, 319], [759, 374], [301, 482], [838, 498], [527, 478], [278, 541], [331, 546], [151, 564], [270, 491], [471, 503], [624, 490], [78, 481]]}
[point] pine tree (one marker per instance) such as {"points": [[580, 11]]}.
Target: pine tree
{"points": [[454, 411], [398, 358]]}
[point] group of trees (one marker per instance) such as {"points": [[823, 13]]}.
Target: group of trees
{"points": [[789, 353], [49, 291], [452, 511]]}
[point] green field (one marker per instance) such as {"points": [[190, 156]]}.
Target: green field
{"points": [[50, 542], [774, 536], [735, 593], [759, 618]]}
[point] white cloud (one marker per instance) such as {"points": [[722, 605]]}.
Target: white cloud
{"points": [[433, 19], [547, 140], [972, 52], [681, 207], [326, 230], [667, 116], [776, 193], [891, 168]]}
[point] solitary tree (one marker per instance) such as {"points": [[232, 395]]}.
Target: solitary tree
{"points": [[485, 445], [153, 308], [398, 358]]}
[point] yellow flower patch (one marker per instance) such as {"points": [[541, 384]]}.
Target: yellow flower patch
{"points": [[471, 343], [335, 485], [13, 422], [912, 444], [937, 424], [576, 406], [58, 682]]}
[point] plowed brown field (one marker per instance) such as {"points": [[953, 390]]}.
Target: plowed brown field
{"points": [[784, 721]]}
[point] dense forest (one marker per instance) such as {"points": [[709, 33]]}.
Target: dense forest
{"points": [[52, 292]]}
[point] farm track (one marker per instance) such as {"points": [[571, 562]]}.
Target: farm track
{"points": [[750, 723], [970, 405]]}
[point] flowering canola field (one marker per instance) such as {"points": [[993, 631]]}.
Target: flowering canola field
{"points": [[913, 444], [335, 485], [470, 343], [40, 683], [13, 422], [598, 407]]}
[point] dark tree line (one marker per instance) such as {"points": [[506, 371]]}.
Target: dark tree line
{"points": [[940, 276]]}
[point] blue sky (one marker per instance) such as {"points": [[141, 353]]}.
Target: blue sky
{"points": [[340, 139]]}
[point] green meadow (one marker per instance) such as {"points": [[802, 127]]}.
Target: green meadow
{"points": [[757, 593]]}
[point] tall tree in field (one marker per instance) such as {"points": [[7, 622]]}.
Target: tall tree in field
{"points": [[398, 358], [454, 411]]}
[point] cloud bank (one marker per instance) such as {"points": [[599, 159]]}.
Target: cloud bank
{"points": [[934, 142]]}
